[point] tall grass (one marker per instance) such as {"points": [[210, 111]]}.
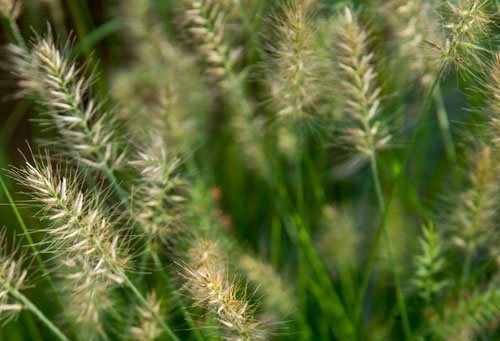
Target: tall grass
{"points": [[250, 170]]}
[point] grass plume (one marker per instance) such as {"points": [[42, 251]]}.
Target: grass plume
{"points": [[294, 63], [10, 9], [358, 81], [208, 282], [88, 130]]}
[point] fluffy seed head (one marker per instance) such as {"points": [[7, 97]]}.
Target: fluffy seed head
{"points": [[208, 283], [473, 220], [469, 313], [294, 63], [82, 238], [338, 239], [358, 85], [493, 92], [204, 252], [429, 263], [88, 131], [277, 295], [148, 328], [466, 23], [161, 191], [161, 90], [414, 22], [207, 22], [10, 9], [79, 228], [87, 294]]}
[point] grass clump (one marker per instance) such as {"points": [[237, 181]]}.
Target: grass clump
{"points": [[250, 170]]}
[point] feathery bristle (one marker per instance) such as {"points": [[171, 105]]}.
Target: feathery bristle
{"points": [[358, 81]]}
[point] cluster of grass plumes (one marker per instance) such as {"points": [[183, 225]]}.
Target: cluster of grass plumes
{"points": [[251, 170]]}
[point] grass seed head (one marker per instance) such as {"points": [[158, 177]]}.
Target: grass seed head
{"points": [[493, 92], [357, 79], [414, 22], [277, 296], [208, 283], [78, 228], [11, 9], [207, 24], [12, 279], [88, 131], [148, 328], [466, 24], [429, 263], [161, 191], [294, 66]]}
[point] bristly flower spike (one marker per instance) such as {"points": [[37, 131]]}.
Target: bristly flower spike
{"points": [[295, 65], [207, 25], [88, 131], [81, 230], [160, 192], [414, 22], [10, 9], [147, 328], [13, 278], [466, 24], [358, 84], [208, 283]]}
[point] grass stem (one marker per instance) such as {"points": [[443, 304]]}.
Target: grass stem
{"points": [[31, 307], [444, 126], [16, 32], [399, 178], [390, 248]]}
